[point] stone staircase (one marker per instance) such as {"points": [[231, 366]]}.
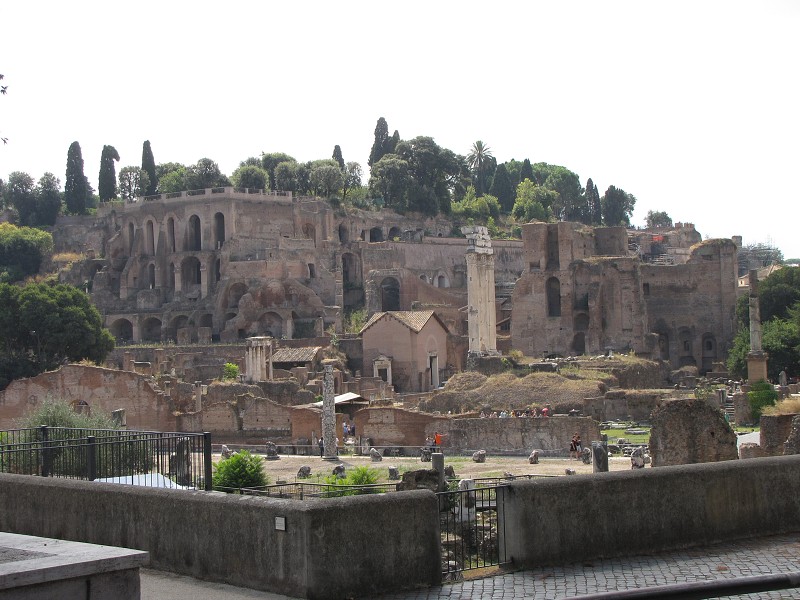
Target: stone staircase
{"points": [[729, 410]]}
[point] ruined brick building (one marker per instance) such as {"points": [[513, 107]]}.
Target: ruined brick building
{"points": [[225, 264], [664, 295]]}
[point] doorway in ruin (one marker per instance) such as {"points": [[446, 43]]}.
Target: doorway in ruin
{"points": [[709, 353], [390, 294], [151, 330]]}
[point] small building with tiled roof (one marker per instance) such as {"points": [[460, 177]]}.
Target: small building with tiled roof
{"points": [[288, 358], [407, 349]]}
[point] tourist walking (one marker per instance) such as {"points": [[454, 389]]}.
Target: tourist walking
{"points": [[321, 445]]}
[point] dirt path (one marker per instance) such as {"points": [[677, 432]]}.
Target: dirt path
{"points": [[285, 469]]}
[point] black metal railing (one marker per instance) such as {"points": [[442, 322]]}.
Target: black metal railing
{"points": [[471, 529], [149, 458]]}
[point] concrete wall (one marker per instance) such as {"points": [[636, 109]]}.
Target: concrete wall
{"points": [[568, 519], [336, 548]]}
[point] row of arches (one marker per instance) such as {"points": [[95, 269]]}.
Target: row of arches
{"points": [[191, 239]]}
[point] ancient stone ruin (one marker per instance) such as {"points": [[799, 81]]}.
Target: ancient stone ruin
{"points": [[690, 431]]}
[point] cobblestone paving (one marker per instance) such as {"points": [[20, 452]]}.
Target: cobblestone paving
{"points": [[747, 558]]}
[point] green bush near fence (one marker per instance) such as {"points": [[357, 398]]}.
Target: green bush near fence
{"points": [[242, 470]]}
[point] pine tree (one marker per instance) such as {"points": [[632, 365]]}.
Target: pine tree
{"points": [[526, 172], [107, 180], [337, 156], [379, 146], [149, 167], [76, 186]]}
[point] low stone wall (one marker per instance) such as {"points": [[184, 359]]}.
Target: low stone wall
{"points": [[568, 519], [775, 430], [337, 548]]}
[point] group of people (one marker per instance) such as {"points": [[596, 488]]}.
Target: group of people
{"points": [[505, 414], [435, 442], [575, 446], [348, 430]]}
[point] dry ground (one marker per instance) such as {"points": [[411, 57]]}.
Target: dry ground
{"points": [[286, 467]]}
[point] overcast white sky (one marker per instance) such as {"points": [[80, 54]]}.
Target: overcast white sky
{"points": [[690, 106]]}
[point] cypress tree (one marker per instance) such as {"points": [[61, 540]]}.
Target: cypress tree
{"points": [[381, 140], [149, 167], [502, 188], [526, 172], [76, 186], [107, 180], [337, 156]]}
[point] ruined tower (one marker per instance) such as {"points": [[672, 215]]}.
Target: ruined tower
{"points": [[480, 292]]}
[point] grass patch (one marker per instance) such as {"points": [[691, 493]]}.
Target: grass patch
{"points": [[788, 406], [615, 434]]}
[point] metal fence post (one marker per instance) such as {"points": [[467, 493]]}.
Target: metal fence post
{"points": [[207, 460], [91, 458], [47, 457]]}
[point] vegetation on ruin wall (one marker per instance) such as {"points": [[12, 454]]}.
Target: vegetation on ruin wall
{"points": [[761, 396], [787, 406], [42, 325]]}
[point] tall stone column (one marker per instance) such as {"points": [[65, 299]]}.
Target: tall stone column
{"points": [[328, 412], [482, 320], [756, 358]]}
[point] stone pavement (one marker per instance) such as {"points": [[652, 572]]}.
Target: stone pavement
{"points": [[745, 558], [763, 556]]}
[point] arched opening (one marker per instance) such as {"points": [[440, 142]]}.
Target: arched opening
{"points": [[130, 238], [219, 230], [270, 324], [151, 238], [553, 297], [151, 330], [709, 352], [194, 239], [344, 234], [122, 330], [235, 293], [424, 278], [151, 275], [390, 294], [579, 343], [394, 234], [376, 234], [310, 232], [686, 357], [175, 324], [190, 272], [171, 234], [581, 322], [442, 281]]}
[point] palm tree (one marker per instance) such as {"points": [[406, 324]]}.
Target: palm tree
{"points": [[478, 159]]}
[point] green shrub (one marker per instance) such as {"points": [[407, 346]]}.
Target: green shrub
{"points": [[761, 395], [358, 476], [59, 413], [230, 371], [242, 470]]}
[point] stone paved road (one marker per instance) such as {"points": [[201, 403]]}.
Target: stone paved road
{"points": [[763, 556]]}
